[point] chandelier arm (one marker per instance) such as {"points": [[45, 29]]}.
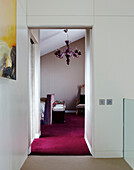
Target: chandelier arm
{"points": [[75, 55], [62, 55]]}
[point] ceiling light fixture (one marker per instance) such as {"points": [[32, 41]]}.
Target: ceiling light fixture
{"points": [[68, 52]]}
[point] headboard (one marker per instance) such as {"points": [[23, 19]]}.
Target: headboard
{"points": [[48, 109]]}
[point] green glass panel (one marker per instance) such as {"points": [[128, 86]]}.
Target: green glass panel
{"points": [[128, 118]]}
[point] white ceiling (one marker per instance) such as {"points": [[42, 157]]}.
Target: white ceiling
{"points": [[52, 39]]}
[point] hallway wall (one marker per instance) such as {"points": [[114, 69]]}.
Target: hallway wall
{"points": [[113, 79], [113, 39], [13, 103], [60, 13]]}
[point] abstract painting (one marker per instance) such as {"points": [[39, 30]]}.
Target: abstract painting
{"points": [[8, 17]]}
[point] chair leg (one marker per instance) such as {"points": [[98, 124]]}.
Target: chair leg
{"points": [[77, 112]]}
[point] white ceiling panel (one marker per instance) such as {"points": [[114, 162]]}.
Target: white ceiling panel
{"points": [[53, 39]]}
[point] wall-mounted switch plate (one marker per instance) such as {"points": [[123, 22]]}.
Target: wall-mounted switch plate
{"points": [[109, 102], [101, 101]]}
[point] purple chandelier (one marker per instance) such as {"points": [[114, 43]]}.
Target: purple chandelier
{"points": [[68, 52]]}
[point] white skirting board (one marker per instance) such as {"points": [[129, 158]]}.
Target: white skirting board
{"points": [[23, 161], [37, 135], [89, 146], [108, 154], [29, 149], [104, 154]]}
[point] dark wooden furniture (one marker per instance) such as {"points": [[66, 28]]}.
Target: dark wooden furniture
{"points": [[58, 116]]}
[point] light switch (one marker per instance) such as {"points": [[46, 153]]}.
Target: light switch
{"points": [[101, 101], [109, 102]]}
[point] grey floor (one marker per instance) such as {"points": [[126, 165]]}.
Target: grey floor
{"points": [[73, 163]]}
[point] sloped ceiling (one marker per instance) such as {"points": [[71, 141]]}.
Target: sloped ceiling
{"points": [[52, 39]]}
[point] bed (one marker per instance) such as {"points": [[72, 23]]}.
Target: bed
{"points": [[42, 109]]}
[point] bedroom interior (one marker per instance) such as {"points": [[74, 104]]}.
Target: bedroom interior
{"points": [[62, 95]]}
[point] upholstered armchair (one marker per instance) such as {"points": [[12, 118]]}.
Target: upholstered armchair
{"points": [[80, 101]]}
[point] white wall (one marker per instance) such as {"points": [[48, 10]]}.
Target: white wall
{"points": [[113, 39], [60, 7], [59, 13], [63, 80], [13, 104], [113, 67], [114, 8]]}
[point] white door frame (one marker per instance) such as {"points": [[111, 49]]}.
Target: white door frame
{"points": [[89, 118], [33, 91]]}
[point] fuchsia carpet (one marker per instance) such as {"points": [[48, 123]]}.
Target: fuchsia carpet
{"points": [[62, 139]]}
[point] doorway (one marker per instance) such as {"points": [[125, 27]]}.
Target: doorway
{"points": [[87, 88]]}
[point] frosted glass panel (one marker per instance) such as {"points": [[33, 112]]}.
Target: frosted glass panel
{"points": [[129, 131]]}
